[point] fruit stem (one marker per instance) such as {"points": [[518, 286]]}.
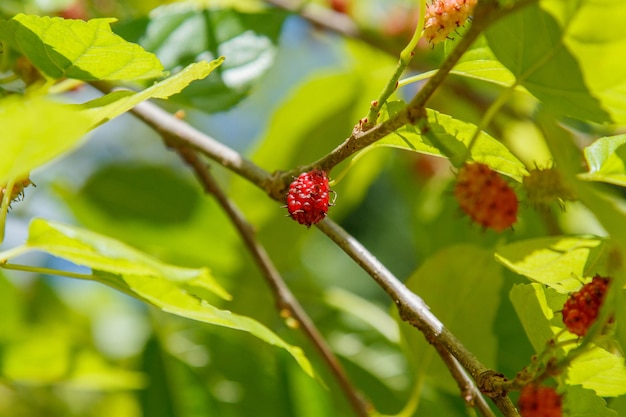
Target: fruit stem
{"points": [[405, 59]]}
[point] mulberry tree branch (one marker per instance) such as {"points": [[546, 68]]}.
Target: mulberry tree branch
{"points": [[411, 307], [286, 302]]}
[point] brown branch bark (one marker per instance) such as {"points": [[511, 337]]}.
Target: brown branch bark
{"points": [[286, 302]]}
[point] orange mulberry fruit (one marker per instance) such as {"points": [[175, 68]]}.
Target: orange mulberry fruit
{"points": [[486, 197]]}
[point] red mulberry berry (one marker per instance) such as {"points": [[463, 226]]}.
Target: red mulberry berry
{"points": [[486, 197], [537, 401], [582, 307], [307, 200], [444, 16]]}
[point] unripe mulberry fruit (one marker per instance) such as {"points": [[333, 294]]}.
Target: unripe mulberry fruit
{"points": [[535, 401], [444, 16], [582, 307], [308, 197], [544, 186], [486, 197]]}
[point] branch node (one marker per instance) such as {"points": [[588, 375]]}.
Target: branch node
{"points": [[492, 384]]}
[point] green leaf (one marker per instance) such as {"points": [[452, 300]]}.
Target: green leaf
{"points": [[101, 253], [29, 143], [480, 63], [114, 104], [598, 370], [606, 159], [77, 49], [553, 50], [559, 262], [454, 135], [486, 70], [180, 34], [580, 402], [35, 131], [176, 290], [533, 305], [170, 298], [464, 294]]}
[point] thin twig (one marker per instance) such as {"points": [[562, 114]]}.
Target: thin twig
{"points": [[286, 302], [485, 13], [413, 113], [414, 310], [469, 392], [392, 84]]}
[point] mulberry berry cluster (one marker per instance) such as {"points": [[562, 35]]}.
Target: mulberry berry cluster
{"points": [[537, 401], [444, 16], [486, 197], [308, 200], [582, 307]]}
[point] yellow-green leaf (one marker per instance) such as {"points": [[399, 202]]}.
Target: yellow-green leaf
{"points": [[559, 262], [34, 131], [64, 48], [177, 290], [606, 158], [114, 104]]}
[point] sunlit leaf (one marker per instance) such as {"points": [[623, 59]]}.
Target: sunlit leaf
{"points": [[487, 70], [35, 131], [77, 49], [454, 135], [533, 305], [556, 51], [114, 104], [480, 63], [28, 143], [176, 290], [606, 158], [173, 299], [101, 253], [599, 370], [559, 262]]}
